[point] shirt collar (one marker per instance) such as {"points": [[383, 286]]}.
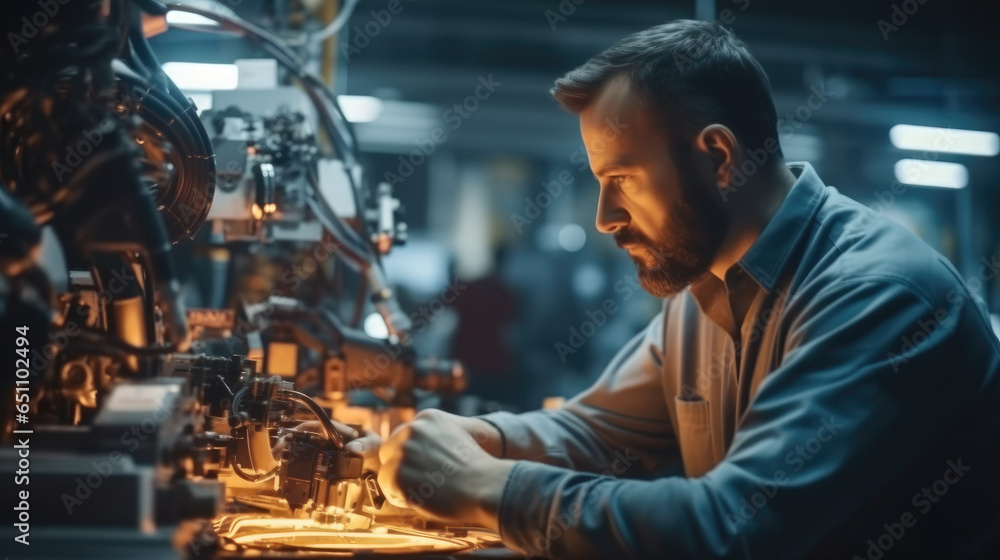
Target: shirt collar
{"points": [[769, 255]]}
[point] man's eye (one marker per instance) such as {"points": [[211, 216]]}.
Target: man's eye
{"points": [[619, 180]]}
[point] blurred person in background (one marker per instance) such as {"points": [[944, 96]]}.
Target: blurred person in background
{"points": [[486, 309]]}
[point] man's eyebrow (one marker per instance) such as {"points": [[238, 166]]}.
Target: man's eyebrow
{"points": [[607, 167]]}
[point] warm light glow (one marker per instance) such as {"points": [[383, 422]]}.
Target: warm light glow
{"points": [[256, 211], [252, 530], [932, 173], [948, 140], [197, 76]]}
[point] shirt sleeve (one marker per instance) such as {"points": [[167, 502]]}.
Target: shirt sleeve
{"points": [[620, 424], [845, 411]]}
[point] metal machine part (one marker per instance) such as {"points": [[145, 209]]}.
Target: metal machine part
{"points": [[350, 359], [266, 165], [133, 436], [303, 478], [177, 160]]}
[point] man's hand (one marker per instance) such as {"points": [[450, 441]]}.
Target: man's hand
{"points": [[364, 444], [435, 465]]}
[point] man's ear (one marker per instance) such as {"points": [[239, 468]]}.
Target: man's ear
{"points": [[719, 147]]}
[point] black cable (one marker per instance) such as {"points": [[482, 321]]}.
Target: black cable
{"points": [[346, 235], [336, 124], [359, 303], [238, 400], [148, 298], [264, 477], [102, 338], [120, 11], [179, 104], [331, 432], [193, 179]]}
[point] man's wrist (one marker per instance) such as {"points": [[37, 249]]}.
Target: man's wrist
{"points": [[490, 492], [487, 435]]}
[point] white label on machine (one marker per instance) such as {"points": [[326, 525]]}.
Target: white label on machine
{"points": [[137, 398]]}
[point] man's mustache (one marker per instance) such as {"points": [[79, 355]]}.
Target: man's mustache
{"points": [[626, 237]]}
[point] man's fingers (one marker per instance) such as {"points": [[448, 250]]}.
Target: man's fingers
{"points": [[389, 485], [367, 444], [346, 431]]}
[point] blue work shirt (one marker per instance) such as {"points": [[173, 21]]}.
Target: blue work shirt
{"points": [[801, 407]]}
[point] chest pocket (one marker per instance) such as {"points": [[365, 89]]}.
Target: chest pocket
{"points": [[697, 421], [700, 444]]}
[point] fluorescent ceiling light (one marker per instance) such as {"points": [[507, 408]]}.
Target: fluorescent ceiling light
{"points": [[201, 77], [175, 17], [950, 140], [197, 76], [932, 173], [360, 108]]}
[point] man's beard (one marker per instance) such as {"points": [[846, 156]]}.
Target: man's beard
{"points": [[669, 264]]}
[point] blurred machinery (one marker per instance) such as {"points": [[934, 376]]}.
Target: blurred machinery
{"points": [[207, 428]]}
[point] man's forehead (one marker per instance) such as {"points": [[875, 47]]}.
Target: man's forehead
{"points": [[615, 100], [619, 118]]}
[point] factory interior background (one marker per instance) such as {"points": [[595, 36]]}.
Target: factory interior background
{"points": [[450, 103], [215, 301]]}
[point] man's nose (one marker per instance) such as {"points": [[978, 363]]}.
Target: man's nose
{"points": [[611, 217]]}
